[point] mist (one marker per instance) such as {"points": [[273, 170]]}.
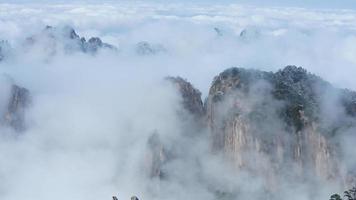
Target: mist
{"points": [[92, 115]]}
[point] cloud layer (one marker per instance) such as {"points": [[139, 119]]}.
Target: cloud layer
{"points": [[92, 115]]}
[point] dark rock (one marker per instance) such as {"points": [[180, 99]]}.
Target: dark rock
{"points": [[95, 43], [144, 48], [301, 91], [71, 33], [348, 100], [298, 89], [191, 96], [18, 102], [249, 34], [5, 49], [51, 38], [134, 198], [278, 116], [156, 156], [218, 31]]}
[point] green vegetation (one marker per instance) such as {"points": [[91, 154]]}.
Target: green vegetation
{"points": [[348, 194]]}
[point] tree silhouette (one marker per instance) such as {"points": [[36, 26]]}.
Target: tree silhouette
{"points": [[350, 194], [335, 197]]}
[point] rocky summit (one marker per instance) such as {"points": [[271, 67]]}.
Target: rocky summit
{"points": [[191, 97], [270, 124], [52, 39], [277, 118]]}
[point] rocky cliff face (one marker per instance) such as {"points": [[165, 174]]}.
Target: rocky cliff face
{"points": [[273, 125], [157, 154], [4, 49], [270, 123], [14, 113], [191, 97]]}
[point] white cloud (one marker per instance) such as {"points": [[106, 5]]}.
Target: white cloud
{"points": [[92, 115]]}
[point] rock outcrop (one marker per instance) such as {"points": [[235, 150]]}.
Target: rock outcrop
{"points": [[218, 31], [272, 123], [94, 44], [5, 49], [280, 126], [65, 39], [191, 96], [250, 34], [145, 48], [155, 157], [15, 111], [157, 154]]}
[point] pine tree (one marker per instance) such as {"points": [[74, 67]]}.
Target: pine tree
{"points": [[335, 197], [350, 194]]}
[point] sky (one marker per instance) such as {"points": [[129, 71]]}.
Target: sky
{"points": [[330, 4], [316, 4]]}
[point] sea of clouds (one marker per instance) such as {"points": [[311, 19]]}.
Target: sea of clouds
{"points": [[91, 115]]}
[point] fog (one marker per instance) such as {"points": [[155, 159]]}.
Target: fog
{"points": [[91, 115]]}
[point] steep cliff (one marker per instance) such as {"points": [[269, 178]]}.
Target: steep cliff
{"points": [[157, 153], [5, 49], [274, 123], [191, 97], [156, 156], [15, 111]]}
